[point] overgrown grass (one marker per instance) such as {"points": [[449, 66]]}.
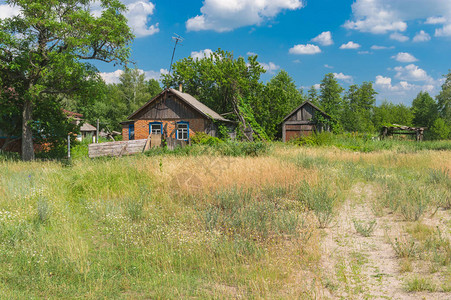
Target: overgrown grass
{"points": [[229, 221]]}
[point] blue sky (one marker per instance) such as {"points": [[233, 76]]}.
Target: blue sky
{"points": [[402, 46]]}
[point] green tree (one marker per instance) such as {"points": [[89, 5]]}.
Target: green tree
{"points": [[279, 98], [44, 52], [444, 100], [221, 82], [439, 130], [424, 109], [330, 97], [312, 95], [118, 101], [388, 113], [358, 107]]}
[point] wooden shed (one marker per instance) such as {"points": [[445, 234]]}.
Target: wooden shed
{"points": [[303, 121], [173, 114]]}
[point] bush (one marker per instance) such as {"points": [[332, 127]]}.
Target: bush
{"points": [[201, 138], [320, 200], [439, 130], [315, 139]]}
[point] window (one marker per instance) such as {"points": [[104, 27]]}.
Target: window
{"points": [[131, 131], [156, 128], [182, 131]]}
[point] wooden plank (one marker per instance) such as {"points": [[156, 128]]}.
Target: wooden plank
{"points": [[116, 148]]}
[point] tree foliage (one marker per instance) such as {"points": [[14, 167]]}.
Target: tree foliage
{"points": [[44, 52], [424, 109], [280, 96], [330, 98], [444, 100]]}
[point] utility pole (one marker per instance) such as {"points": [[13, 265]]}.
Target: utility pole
{"points": [[178, 39], [97, 132]]}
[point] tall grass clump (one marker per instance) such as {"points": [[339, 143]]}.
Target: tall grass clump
{"points": [[321, 200], [229, 148], [410, 198], [254, 215]]}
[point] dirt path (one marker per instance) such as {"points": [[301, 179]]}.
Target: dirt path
{"points": [[357, 267]]}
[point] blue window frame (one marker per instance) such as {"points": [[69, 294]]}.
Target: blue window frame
{"points": [[155, 128], [182, 132], [131, 131]]}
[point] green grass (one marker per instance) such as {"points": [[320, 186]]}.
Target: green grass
{"points": [[124, 228]]}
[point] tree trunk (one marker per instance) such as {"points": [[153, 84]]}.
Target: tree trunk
{"points": [[27, 135]]}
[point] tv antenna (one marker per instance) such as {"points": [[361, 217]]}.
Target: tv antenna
{"points": [[178, 40]]}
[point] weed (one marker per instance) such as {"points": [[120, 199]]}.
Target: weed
{"points": [[404, 248], [405, 265], [417, 284], [364, 228], [321, 200], [44, 210]]}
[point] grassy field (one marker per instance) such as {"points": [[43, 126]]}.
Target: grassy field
{"points": [[291, 222]]}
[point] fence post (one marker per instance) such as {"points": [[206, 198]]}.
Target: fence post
{"points": [[68, 146], [97, 132]]}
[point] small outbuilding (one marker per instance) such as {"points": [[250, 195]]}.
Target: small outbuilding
{"points": [[304, 120], [173, 114]]}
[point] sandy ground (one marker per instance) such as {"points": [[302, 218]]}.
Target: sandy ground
{"points": [[357, 267]]}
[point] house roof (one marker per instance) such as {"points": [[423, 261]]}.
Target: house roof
{"points": [[87, 127], [190, 101], [300, 106]]}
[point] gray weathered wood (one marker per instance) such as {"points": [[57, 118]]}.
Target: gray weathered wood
{"points": [[116, 148]]}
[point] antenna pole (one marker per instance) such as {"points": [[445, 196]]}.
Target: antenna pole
{"points": [[178, 39]]}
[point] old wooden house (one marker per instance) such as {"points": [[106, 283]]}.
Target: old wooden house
{"points": [[304, 120], [172, 114]]}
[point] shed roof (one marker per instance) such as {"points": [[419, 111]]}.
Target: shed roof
{"points": [[300, 106], [87, 127], [190, 101]]}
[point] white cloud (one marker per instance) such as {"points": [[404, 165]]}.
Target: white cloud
{"points": [[422, 36], [412, 73], [297, 61], [7, 11], [251, 54], [399, 37], [201, 54], [327, 66], [364, 52], [270, 67], [376, 47], [317, 86], [222, 16], [138, 15], [324, 39], [345, 78], [350, 45], [445, 31], [383, 16], [404, 57], [305, 49], [435, 20], [113, 77], [403, 90]]}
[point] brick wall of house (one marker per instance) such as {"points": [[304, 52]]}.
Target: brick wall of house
{"points": [[125, 132], [142, 127]]}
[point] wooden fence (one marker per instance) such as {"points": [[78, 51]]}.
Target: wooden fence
{"points": [[132, 147], [116, 148]]}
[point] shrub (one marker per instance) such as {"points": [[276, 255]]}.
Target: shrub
{"points": [[439, 130], [364, 228], [320, 200], [202, 138], [315, 139]]}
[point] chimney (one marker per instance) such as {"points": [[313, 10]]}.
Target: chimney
{"points": [[180, 88]]}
